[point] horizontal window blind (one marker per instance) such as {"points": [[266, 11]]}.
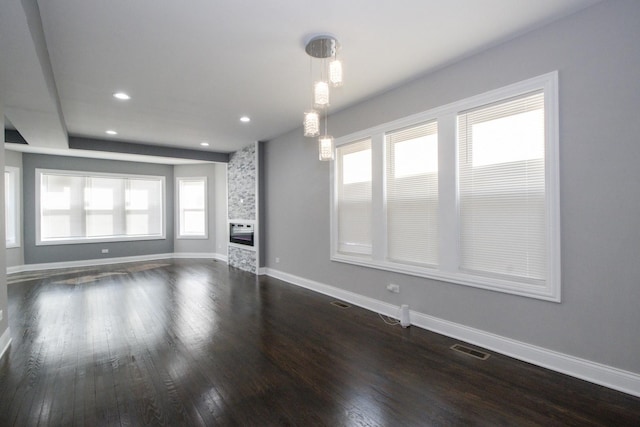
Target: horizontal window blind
{"points": [[192, 199], [354, 198], [61, 206], [502, 189], [412, 194], [76, 207]]}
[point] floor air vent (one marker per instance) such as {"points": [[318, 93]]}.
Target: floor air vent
{"points": [[340, 304], [470, 351]]}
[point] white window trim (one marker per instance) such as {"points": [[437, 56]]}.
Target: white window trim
{"points": [[178, 208], [15, 173], [449, 247], [119, 238]]}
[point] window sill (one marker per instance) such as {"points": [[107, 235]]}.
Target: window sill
{"points": [[114, 239]]}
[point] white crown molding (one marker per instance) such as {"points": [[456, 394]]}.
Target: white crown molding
{"points": [[608, 376]]}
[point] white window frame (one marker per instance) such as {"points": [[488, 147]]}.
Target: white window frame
{"points": [[14, 205], [101, 239], [448, 268], [179, 215]]}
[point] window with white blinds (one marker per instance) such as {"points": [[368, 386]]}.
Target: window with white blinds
{"points": [[466, 193], [502, 189], [354, 210], [412, 194], [192, 207], [78, 207]]}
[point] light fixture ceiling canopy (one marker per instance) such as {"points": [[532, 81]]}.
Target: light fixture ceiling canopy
{"points": [[322, 46]]}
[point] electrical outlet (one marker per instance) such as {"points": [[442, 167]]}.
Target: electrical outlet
{"points": [[1, 315], [392, 287], [277, 260], [105, 251]]}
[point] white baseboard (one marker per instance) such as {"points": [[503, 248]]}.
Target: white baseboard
{"points": [[614, 378], [199, 255], [347, 296], [5, 341], [105, 261]]}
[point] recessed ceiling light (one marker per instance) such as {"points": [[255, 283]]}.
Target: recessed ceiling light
{"points": [[204, 144], [111, 132], [122, 96], [245, 119]]}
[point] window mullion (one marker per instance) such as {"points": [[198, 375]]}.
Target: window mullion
{"points": [[447, 189], [379, 231]]}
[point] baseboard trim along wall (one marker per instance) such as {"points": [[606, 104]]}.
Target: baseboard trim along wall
{"points": [[614, 378], [5, 341], [105, 261], [199, 255]]}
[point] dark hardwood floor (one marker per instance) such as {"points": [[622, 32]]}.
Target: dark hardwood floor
{"points": [[187, 342]]}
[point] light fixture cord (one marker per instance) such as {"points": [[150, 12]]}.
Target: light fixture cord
{"points": [[311, 75], [323, 70]]}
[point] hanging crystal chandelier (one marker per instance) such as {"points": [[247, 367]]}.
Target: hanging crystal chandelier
{"points": [[311, 123], [322, 47]]}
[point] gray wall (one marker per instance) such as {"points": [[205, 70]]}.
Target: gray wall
{"points": [[59, 253], [216, 209], [262, 197], [15, 256], [221, 224], [597, 55], [4, 323]]}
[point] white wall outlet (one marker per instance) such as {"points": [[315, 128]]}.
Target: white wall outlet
{"points": [[105, 251], [1, 316], [277, 260], [392, 287]]}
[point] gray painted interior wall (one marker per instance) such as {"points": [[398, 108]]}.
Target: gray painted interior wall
{"points": [[597, 56], [4, 323], [59, 253], [262, 197], [15, 256], [216, 209], [221, 223]]}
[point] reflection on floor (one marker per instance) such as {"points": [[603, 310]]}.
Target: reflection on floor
{"points": [[79, 280], [195, 342]]}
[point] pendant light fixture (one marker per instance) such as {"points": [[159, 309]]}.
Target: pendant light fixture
{"points": [[335, 72], [311, 123], [322, 47]]}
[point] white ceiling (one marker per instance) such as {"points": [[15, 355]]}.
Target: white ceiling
{"points": [[194, 67]]}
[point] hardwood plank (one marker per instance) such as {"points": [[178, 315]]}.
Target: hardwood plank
{"points": [[194, 342]]}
